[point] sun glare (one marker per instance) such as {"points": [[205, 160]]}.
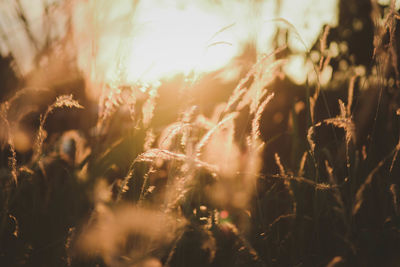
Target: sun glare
{"points": [[151, 40], [169, 41], [145, 41]]}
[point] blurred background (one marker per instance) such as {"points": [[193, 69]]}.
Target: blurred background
{"points": [[140, 68]]}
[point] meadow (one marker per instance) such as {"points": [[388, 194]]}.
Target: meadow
{"points": [[197, 170]]}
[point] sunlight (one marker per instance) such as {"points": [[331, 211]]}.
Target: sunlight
{"points": [[170, 41], [152, 39], [150, 133], [158, 40], [129, 42], [146, 41]]}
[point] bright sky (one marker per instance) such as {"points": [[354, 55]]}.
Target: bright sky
{"points": [[160, 38], [13, 37]]}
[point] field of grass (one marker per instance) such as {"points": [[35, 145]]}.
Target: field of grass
{"points": [[258, 171]]}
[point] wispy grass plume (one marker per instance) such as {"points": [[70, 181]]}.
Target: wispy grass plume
{"points": [[61, 102]]}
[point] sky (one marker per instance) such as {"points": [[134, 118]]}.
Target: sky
{"points": [[13, 37], [159, 38]]}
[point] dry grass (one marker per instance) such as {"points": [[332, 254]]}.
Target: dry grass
{"points": [[239, 187]]}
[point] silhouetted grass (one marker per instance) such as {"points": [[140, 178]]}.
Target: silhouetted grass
{"points": [[230, 184]]}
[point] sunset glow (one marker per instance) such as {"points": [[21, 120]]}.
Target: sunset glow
{"points": [[145, 41], [202, 133], [155, 39], [150, 40]]}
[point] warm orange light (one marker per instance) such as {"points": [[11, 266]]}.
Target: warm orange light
{"points": [[151, 40], [144, 41], [169, 40]]}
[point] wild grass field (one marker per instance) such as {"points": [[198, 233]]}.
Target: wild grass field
{"points": [[196, 170]]}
